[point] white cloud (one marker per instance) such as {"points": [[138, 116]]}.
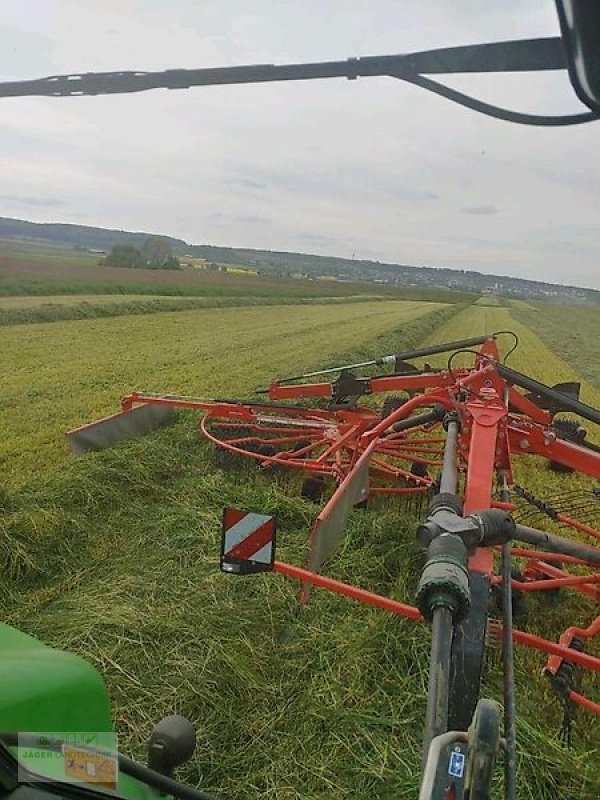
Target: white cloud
{"points": [[373, 166]]}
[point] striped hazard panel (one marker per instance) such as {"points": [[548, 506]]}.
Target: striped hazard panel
{"points": [[247, 542]]}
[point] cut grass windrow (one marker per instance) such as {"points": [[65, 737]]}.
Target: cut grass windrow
{"points": [[116, 557], [62, 374], [28, 311], [572, 332]]}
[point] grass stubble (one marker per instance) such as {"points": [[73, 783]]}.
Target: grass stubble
{"points": [[114, 556]]}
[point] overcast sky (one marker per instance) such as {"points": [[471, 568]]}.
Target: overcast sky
{"points": [[373, 168]]}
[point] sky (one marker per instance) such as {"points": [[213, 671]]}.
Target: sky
{"points": [[371, 169]]}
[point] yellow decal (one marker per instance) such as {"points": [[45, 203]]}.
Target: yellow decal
{"points": [[87, 767]]}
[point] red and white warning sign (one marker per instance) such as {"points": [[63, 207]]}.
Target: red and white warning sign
{"points": [[247, 542]]}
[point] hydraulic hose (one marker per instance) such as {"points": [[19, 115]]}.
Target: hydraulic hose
{"points": [[416, 420]]}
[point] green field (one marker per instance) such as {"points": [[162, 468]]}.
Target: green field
{"points": [[532, 354], [114, 555], [63, 373], [490, 300], [574, 333], [30, 309], [31, 303], [46, 253], [30, 268]]}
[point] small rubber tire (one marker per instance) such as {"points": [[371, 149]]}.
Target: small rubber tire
{"points": [[518, 596], [313, 488], [419, 469], [483, 747], [392, 403]]}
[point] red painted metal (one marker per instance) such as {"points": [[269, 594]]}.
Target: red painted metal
{"points": [[348, 590], [559, 650], [523, 404], [483, 434], [534, 569], [530, 438], [584, 702], [566, 640], [429, 399], [543, 555], [278, 392], [551, 583], [498, 424]]}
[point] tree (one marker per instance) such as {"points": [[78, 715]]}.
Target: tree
{"points": [[155, 254], [158, 253], [124, 255]]}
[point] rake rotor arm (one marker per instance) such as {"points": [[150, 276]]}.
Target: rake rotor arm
{"points": [[408, 355], [376, 362], [387, 383], [556, 544], [446, 347], [564, 401]]}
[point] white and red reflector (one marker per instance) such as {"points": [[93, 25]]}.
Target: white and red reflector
{"points": [[247, 542]]}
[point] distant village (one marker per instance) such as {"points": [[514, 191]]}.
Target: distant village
{"points": [[476, 282], [442, 278]]}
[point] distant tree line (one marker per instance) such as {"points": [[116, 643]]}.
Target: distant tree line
{"points": [[82, 235], [155, 253]]}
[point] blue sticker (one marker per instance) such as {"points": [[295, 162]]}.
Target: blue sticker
{"points": [[456, 765]]}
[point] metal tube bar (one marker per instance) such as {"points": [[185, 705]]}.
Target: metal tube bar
{"points": [[347, 590], [442, 348], [551, 572], [417, 420], [510, 712], [373, 363], [408, 354], [543, 555], [584, 702], [547, 584], [553, 395], [449, 477], [545, 646], [508, 663], [557, 544], [521, 56], [436, 720]]}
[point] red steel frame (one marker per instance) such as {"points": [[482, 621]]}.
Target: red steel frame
{"points": [[497, 423]]}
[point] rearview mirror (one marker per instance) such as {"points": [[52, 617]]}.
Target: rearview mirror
{"points": [[580, 30]]}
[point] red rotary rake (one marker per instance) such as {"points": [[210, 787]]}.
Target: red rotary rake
{"points": [[452, 436]]}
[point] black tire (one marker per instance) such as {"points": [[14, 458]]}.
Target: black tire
{"points": [[484, 743], [518, 596], [392, 403], [553, 595], [221, 457], [313, 488], [419, 469], [571, 431], [556, 466]]}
